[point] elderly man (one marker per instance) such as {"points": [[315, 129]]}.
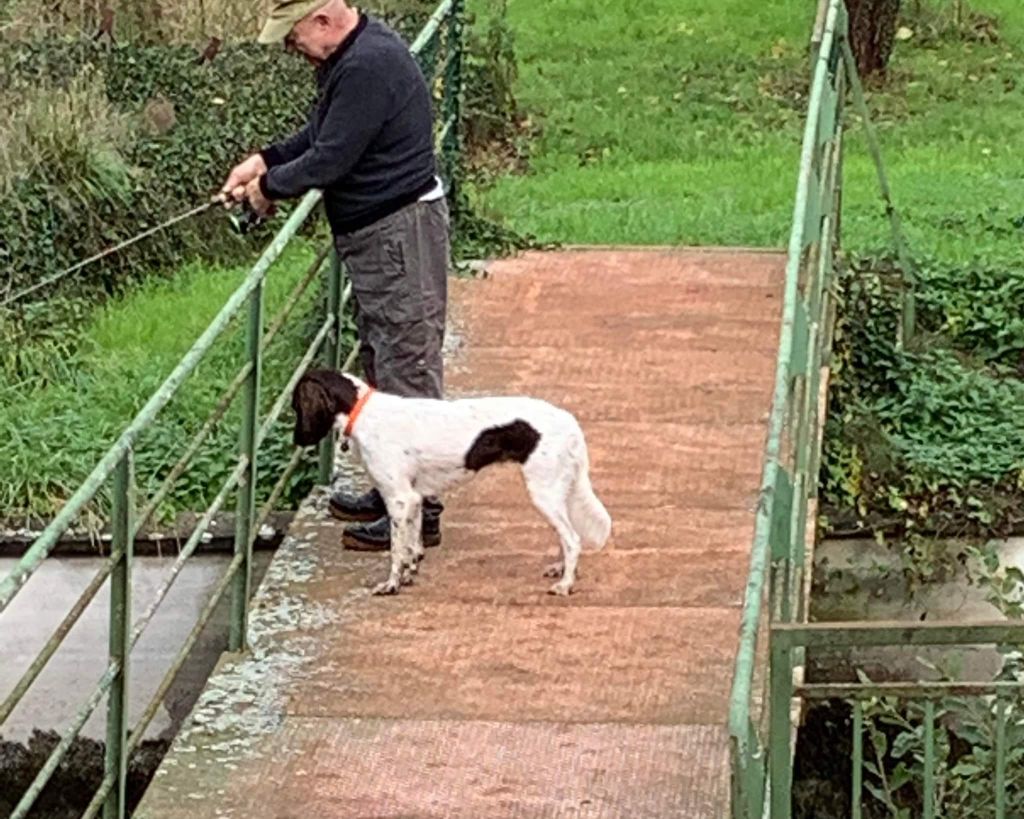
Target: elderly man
{"points": [[369, 146]]}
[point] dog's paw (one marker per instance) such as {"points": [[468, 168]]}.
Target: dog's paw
{"points": [[407, 576], [554, 570], [562, 589], [387, 587]]}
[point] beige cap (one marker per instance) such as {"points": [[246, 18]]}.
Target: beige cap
{"points": [[283, 16]]}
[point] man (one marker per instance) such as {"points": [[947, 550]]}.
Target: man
{"points": [[369, 146]]}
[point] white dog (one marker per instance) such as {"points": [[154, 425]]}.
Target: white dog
{"points": [[419, 447]]}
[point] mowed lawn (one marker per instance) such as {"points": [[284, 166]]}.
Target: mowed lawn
{"points": [[677, 121]]}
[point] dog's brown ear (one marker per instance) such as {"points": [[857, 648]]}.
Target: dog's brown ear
{"points": [[314, 411]]}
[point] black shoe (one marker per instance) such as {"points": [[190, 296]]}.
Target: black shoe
{"points": [[376, 536], [366, 507]]}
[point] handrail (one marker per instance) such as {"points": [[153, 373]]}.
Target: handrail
{"points": [[775, 579], [774, 633]]}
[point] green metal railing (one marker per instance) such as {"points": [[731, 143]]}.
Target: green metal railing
{"points": [[776, 583], [1002, 701], [438, 47], [773, 626]]}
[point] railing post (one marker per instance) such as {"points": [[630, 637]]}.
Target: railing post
{"points": [[780, 762], [842, 87], [929, 759], [452, 108], [246, 507], [1001, 707], [332, 357], [780, 603], [122, 542], [818, 32], [857, 762]]}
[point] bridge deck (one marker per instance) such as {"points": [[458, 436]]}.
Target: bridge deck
{"points": [[474, 693]]}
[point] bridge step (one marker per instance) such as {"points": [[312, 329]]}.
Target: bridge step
{"points": [[473, 769]]}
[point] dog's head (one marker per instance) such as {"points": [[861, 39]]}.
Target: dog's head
{"points": [[318, 399]]}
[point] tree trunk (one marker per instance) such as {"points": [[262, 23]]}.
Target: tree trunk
{"points": [[872, 33]]}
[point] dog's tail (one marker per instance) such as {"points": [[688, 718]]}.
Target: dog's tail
{"points": [[589, 517]]}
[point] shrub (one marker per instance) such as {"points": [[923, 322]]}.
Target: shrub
{"points": [[928, 439]]}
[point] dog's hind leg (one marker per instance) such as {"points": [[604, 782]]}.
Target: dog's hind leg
{"points": [[549, 496], [549, 479], [404, 511], [558, 517]]}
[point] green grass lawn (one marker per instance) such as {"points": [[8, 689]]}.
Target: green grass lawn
{"points": [[52, 435], [677, 121]]}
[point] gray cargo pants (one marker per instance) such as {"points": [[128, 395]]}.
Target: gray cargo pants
{"points": [[399, 272]]}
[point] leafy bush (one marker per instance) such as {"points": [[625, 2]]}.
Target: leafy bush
{"points": [[493, 115], [190, 123], [964, 753], [965, 727], [928, 439]]}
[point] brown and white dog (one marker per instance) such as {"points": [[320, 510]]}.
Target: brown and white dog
{"points": [[413, 448]]}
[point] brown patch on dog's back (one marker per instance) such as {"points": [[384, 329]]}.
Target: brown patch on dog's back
{"points": [[510, 442]]}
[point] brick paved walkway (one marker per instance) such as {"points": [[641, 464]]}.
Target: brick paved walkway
{"points": [[474, 693]]}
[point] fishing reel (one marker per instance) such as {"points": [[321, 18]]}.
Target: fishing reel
{"points": [[243, 218], [241, 215]]}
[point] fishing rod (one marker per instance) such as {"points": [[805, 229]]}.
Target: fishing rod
{"points": [[243, 218]]}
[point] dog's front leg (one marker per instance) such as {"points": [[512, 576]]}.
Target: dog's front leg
{"points": [[394, 581], [399, 510], [414, 544]]}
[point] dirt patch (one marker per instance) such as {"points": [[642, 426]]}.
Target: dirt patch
{"points": [[75, 781]]}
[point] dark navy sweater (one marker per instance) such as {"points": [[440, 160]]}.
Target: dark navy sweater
{"points": [[369, 142]]}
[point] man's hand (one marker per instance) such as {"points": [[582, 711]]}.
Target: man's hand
{"points": [[242, 175], [257, 201]]}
